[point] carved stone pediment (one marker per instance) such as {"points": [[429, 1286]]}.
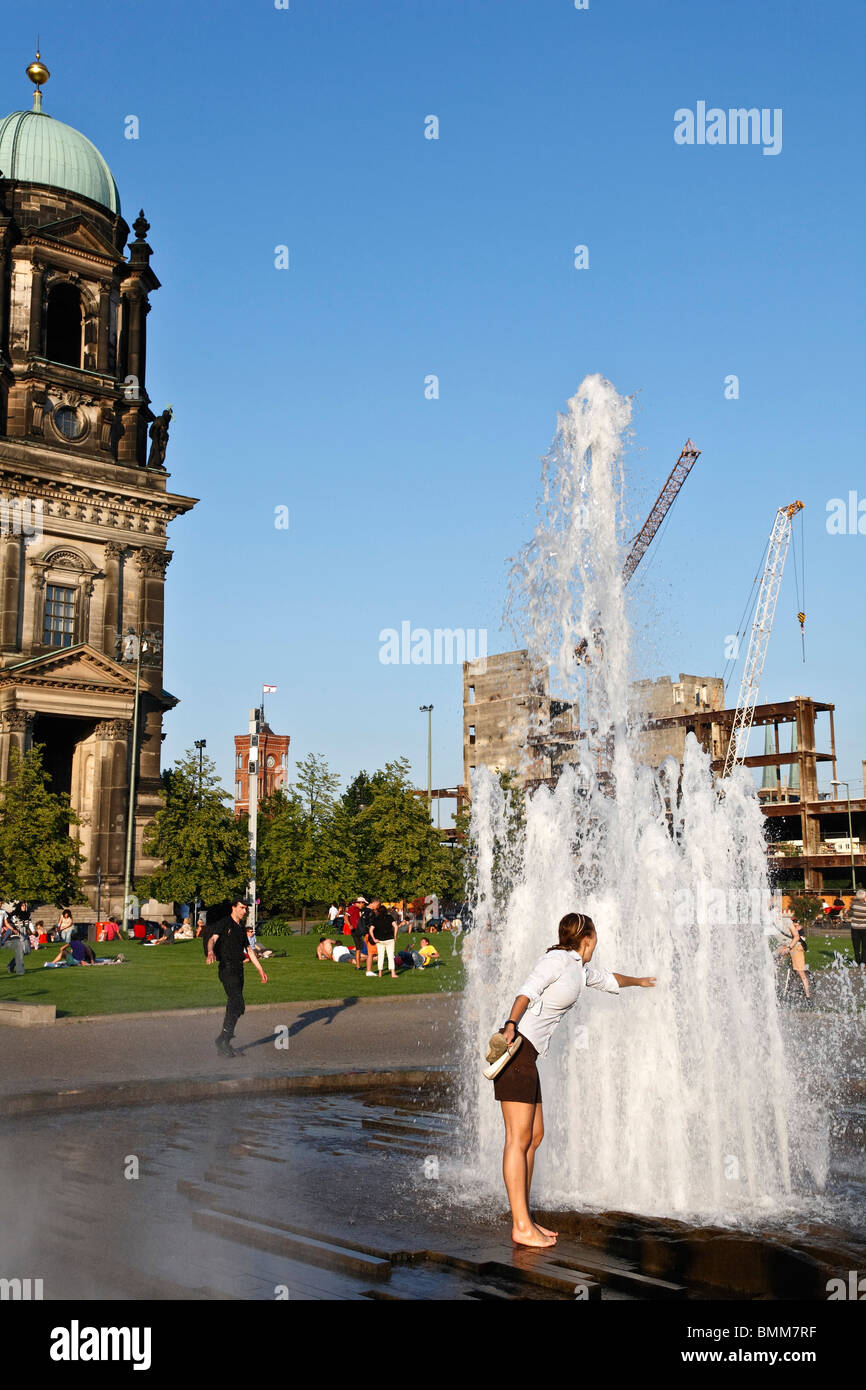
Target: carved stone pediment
{"points": [[76, 232], [74, 668]]}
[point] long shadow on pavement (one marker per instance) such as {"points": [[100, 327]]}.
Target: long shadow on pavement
{"points": [[323, 1015]]}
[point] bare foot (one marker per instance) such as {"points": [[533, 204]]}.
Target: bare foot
{"points": [[545, 1232], [532, 1237]]}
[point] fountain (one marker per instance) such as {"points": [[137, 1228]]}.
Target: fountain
{"points": [[684, 1101]]}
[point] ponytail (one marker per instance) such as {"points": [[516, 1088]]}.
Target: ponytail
{"points": [[574, 928]]}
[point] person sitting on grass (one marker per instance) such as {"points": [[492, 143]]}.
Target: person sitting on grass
{"points": [[426, 954], [166, 934]]}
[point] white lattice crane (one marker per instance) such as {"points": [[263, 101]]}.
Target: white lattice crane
{"points": [[762, 626]]}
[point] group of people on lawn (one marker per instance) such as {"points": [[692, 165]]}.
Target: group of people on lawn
{"points": [[373, 931]]}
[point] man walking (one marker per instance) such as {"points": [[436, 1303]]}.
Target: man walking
{"points": [[226, 943]]}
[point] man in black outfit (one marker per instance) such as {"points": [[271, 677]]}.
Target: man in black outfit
{"points": [[226, 943]]}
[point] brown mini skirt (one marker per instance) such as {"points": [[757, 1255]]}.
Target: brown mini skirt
{"points": [[519, 1080]]}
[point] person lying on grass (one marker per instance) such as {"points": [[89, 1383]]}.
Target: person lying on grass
{"points": [[79, 953]]}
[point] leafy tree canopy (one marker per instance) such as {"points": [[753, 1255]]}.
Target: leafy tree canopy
{"points": [[39, 859], [203, 849]]}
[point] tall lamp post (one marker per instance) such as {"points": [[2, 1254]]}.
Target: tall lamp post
{"points": [[257, 721], [131, 648], [837, 782], [201, 745], [428, 710]]}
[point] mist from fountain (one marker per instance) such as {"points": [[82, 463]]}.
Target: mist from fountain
{"points": [[678, 1101]]}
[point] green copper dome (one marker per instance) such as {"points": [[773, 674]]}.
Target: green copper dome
{"points": [[37, 149]]}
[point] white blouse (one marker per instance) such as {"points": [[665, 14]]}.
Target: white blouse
{"points": [[554, 986]]}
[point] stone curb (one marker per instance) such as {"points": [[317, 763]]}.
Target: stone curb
{"points": [[156, 1092], [219, 1009]]}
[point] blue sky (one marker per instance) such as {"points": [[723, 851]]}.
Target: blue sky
{"points": [[304, 387]]}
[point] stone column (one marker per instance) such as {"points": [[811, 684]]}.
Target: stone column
{"points": [[16, 731], [106, 812], [104, 330], [34, 337], [129, 617], [134, 299], [152, 566], [10, 592], [111, 600]]}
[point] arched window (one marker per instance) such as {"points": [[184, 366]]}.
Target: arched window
{"points": [[63, 325]]}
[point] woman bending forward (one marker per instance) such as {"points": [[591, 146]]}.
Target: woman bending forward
{"points": [[554, 986]]}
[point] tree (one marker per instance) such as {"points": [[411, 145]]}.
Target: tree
{"points": [[203, 849], [39, 859], [284, 850], [805, 907], [316, 786], [305, 842], [402, 855]]}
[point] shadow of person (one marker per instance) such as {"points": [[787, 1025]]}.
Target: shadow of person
{"points": [[325, 1015]]}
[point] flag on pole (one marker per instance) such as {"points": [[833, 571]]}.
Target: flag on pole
{"points": [[269, 689]]}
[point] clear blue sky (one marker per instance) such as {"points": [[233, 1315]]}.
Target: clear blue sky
{"points": [[305, 127]]}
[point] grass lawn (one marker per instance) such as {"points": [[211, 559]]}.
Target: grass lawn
{"points": [[176, 977], [821, 950]]}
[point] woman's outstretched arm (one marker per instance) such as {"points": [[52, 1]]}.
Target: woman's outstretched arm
{"points": [[645, 981]]}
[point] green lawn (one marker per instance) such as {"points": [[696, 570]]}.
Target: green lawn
{"points": [[820, 950], [176, 977]]}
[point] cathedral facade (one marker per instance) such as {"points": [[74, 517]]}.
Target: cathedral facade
{"points": [[84, 501]]}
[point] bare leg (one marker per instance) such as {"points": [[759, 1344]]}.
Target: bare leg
{"points": [[803, 977], [519, 1119], [537, 1136]]}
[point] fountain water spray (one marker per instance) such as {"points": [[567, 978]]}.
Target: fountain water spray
{"points": [[677, 1101]]}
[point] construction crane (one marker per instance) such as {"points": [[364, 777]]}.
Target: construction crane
{"points": [[762, 626], [641, 543], [661, 507]]}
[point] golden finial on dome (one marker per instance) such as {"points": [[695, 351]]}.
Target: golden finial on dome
{"points": [[38, 73]]}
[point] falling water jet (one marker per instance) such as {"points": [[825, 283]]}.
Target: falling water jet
{"points": [[678, 1101]]}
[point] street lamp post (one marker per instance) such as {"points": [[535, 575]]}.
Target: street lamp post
{"points": [[132, 648], [837, 782], [256, 727], [201, 745], [428, 710]]}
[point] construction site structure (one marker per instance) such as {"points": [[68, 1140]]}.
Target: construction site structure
{"points": [[662, 505], [762, 626], [450, 834], [663, 698], [809, 832], [511, 723]]}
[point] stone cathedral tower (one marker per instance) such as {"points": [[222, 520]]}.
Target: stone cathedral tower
{"points": [[84, 503]]}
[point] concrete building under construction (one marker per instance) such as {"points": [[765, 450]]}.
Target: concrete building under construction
{"points": [[812, 830], [511, 723]]}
